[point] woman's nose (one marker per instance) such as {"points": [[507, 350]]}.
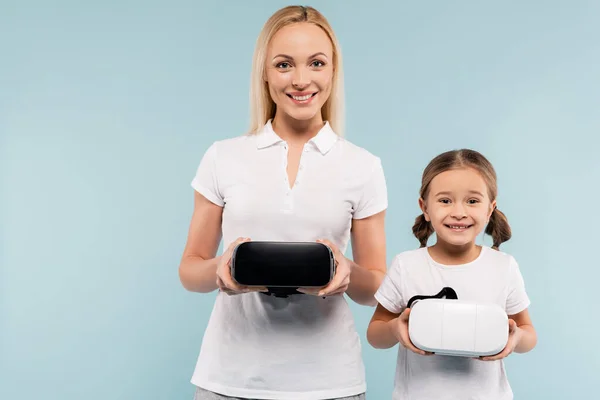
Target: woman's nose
{"points": [[301, 78]]}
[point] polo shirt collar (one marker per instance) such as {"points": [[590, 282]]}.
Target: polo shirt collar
{"points": [[323, 140]]}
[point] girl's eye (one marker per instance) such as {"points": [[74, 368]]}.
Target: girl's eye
{"points": [[445, 201], [473, 201]]}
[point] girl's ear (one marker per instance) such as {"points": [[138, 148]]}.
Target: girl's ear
{"points": [[423, 207], [491, 210]]}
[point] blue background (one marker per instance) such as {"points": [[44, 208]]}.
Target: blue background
{"points": [[107, 107]]}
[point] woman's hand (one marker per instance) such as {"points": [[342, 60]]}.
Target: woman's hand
{"points": [[399, 327], [225, 282], [514, 335], [341, 280]]}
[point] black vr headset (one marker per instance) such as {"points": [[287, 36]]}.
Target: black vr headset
{"points": [[282, 267]]}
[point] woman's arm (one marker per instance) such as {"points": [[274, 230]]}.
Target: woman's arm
{"points": [[198, 266], [368, 252]]}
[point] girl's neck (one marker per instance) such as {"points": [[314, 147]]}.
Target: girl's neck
{"points": [[448, 254], [296, 132]]}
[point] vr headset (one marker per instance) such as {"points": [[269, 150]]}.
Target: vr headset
{"points": [[448, 326], [282, 267]]}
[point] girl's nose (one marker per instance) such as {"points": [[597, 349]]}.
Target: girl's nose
{"points": [[458, 211]]}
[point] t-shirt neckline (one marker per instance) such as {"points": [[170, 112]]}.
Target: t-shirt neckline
{"points": [[454, 266]]}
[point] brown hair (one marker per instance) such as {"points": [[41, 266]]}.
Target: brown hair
{"points": [[497, 227]]}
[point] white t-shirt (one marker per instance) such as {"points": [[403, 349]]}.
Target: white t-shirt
{"points": [[493, 277], [303, 346]]}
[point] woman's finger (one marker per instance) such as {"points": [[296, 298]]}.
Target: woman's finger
{"points": [[310, 291], [340, 290], [225, 273], [335, 250]]}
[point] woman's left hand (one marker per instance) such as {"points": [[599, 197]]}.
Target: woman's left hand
{"points": [[514, 335], [341, 280]]}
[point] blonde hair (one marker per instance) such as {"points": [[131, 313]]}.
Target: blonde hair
{"points": [[497, 227], [262, 107]]}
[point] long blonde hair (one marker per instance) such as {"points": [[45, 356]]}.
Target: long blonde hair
{"points": [[262, 107]]}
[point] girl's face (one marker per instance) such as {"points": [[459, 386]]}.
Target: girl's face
{"points": [[458, 206], [299, 70]]}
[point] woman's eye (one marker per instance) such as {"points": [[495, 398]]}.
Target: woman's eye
{"points": [[283, 65], [318, 64]]}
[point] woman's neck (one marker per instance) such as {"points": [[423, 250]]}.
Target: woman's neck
{"points": [[448, 254], [294, 131]]}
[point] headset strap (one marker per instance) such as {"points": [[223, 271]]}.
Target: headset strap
{"points": [[446, 292], [280, 292]]}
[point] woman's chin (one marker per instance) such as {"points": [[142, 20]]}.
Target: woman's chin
{"points": [[306, 114]]}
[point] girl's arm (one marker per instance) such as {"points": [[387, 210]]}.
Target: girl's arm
{"points": [[380, 334], [386, 329], [527, 334], [522, 336]]}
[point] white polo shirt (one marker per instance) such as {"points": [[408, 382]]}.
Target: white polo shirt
{"points": [[303, 346]]}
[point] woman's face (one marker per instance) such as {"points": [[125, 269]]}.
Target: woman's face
{"points": [[299, 70]]}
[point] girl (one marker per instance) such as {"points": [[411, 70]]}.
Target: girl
{"points": [[292, 178], [458, 200]]}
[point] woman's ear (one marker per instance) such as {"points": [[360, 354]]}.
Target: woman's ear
{"points": [[423, 207]]}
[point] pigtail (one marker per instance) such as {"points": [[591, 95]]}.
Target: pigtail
{"points": [[498, 228], [422, 229]]}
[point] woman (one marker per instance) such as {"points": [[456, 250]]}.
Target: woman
{"points": [[292, 178]]}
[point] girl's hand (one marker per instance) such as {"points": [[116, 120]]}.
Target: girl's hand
{"points": [[225, 282], [341, 280], [514, 335], [399, 327]]}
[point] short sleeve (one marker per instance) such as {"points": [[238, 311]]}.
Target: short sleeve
{"points": [[374, 194], [389, 294], [206, 181], [517, 299]]}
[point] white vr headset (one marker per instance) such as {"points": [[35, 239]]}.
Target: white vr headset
{"points": [[448, 326]]}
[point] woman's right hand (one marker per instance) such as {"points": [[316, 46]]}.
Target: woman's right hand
{"points": [[224, 280], [399, 327]]}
